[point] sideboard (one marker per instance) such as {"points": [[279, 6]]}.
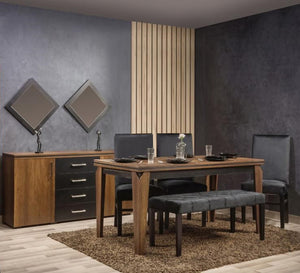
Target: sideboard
{"points": [[51, 187]]}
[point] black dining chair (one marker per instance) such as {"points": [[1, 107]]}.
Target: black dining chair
{"points": [[166, 146], [275, 150], [129, 145]]}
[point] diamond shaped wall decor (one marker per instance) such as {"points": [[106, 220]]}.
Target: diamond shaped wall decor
{"points": [[32, 106], [86, 106]]}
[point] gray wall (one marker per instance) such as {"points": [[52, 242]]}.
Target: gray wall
{"points": [[248, 82], [61, 51]]}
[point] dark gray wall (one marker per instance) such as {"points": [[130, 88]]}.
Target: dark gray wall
{"points": [[61, 51], [248, 82]]}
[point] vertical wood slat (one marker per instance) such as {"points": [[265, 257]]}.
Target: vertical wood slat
{"points": [[133, 78], [149, 78], [159, 77], [144, 79], [192, 107], [174, 82], [138, 72], [162, 74]]}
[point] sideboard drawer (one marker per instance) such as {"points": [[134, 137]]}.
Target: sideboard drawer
{"points": [[75, 165], [75, 212], [74, 196], [75, 180]]}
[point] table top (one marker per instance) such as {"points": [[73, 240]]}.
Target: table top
{"points": [[161, 164]]}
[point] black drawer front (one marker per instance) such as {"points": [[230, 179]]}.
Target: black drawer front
{"points": [[75, 165], [74, 196], [75, 180], [75, 212]]}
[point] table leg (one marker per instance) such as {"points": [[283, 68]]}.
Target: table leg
{"points": [[258, 175], [140, 196], [100, 195], [212, 185]]}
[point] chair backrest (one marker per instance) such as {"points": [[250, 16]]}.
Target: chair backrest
{"points": [[126, 145], [275, 150], [166, 144]]}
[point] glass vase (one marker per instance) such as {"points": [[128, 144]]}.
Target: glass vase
{"points": [[180, 150]]}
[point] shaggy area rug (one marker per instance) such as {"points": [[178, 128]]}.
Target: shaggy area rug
{"points": [[202, 247]]}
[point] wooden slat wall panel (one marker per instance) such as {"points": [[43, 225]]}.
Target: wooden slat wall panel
{"points": [[162, 79]]}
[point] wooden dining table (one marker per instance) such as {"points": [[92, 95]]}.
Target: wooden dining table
{"points": [[142, 173]]}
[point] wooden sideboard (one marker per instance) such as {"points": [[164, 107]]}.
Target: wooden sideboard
{"points": [[52, 187]]}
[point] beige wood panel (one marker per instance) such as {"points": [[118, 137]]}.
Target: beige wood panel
{"points": [[162, 79]]}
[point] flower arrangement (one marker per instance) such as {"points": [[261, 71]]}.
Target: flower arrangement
{"points": [[181, 137]]}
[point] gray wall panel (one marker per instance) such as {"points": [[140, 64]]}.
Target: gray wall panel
{"points": [[61, 51], [248, 82]]}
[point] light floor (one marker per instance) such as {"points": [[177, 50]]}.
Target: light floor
{"points": [[30, 250]]}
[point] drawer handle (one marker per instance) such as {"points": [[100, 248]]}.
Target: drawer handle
{"points": [[78, 180], [78, 195], [78, 211], [78, 164]]}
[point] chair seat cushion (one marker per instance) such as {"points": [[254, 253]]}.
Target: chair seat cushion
{"points": [[173, 186], [269, 186], [124, 191]]}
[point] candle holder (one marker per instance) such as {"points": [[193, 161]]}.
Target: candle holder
{"points": [[38, 140], [98, 140]]}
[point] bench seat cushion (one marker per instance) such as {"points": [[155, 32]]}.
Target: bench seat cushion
{"points": [[205, 201]]}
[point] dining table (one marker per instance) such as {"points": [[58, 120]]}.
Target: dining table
{"points": [[141, 173]]}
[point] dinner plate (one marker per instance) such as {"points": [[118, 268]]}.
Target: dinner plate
{"points": [[228, 155], [125, 160], [140, 157], [177, 161], [215, 158]]}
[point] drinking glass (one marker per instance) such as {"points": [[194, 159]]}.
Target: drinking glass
{"points": [[208, 150], [150, 153]]}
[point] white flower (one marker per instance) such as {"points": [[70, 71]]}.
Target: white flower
{"points": [[181, 136]]}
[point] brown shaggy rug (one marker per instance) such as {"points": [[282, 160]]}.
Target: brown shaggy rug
{"points": [[202, 247]]}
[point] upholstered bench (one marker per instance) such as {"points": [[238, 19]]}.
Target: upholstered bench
{"points": [[203, 202]]}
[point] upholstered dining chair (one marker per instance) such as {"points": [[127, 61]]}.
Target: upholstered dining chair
{"points": [[166, 146], [275, 150], [129, 145]]}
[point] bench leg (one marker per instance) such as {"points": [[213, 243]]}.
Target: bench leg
{"points": [[254, 212], [178, 234], [204, 215], [189, 216], [166, 220], [152, 227], [243, 214], [232, 220], [262, 221]]}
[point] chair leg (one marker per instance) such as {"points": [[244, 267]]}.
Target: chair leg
{"points": [[119, 220], [232, 220], [189, 216], [152, 226], [115, 216], [204, 215], [282, 211], [286, 213], [243, 214], [161, 222], [178, 234], [166, 220], [254, 212], [262, 221]]}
